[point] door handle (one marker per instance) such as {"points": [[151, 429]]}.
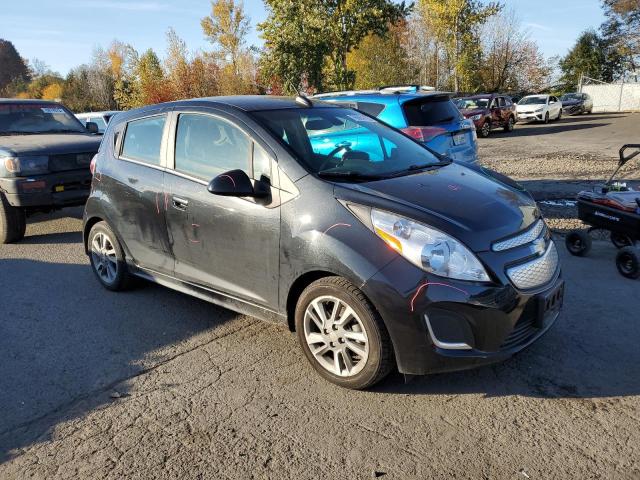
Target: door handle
{"points": [[179, 203]]}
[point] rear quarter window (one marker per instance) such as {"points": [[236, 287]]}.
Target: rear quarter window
{"points": [[143, 139], [373, 109], [426, 112]]}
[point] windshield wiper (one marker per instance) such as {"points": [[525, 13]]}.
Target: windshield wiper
{"points": [[415, 168], [61, 130], [349, 174], [15, 132]]}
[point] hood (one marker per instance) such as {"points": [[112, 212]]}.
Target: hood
{"points": [[49, 144], [476, 111], [529, 108], [467, 203]]}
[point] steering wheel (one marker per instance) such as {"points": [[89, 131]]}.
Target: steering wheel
{"points": [[339, 147]]}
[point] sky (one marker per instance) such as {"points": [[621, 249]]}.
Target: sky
{"points": [[64, 33]]}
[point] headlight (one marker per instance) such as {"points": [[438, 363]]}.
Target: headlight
{"points": [[539, 109], [25, 165], [475, 118], [428, 248]]}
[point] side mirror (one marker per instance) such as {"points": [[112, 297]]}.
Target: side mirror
{"points": [[234, 183], [92, 127]]}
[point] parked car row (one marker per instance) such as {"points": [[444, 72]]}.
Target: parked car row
{"points": [[378, 252]]}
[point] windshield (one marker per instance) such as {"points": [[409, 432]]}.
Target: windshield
{"points": [[345, 143], [571, 96], [539, 100], [32, 118], [473, 103]]}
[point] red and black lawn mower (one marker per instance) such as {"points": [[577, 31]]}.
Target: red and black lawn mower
{"points": [[615, 208]]}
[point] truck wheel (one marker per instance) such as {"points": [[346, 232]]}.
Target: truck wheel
{"points": [[628, 262], [509, 125], [13, 222], [485, 130], [342, 335], [578, 243]]}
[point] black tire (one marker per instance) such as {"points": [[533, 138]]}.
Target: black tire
{"points": [[13, 222], [628, 262], [508, 127], [546, 118], [578, 243], [620, 240], [380, 360], [559, 115], [122, 279], [485, 130]]}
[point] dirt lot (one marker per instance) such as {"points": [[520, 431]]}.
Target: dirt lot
{"points": [[154, 384]]}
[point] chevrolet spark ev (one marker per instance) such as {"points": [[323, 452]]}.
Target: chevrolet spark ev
{"points": [[377, 252]]}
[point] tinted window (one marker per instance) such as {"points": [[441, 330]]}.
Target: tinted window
{"points": [[22, 118], [207, 146], [427, 112], [370, 108], [143, 138], [335, 140], [500, 102]]}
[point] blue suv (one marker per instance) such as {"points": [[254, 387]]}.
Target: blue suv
{"points": [[428, 116]]}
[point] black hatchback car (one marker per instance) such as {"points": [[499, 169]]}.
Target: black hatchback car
{"points": [[393, 256]]}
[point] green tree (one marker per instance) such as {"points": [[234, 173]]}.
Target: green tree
{"points": [[382, 60], [14, 73], [621, 34], [303, 37], [587, 57], [456, 24]]}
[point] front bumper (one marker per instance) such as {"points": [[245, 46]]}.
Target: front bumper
{"points": [[572, 109], [533, 116], [439, 325], [53, 190]]}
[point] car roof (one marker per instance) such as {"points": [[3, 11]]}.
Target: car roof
{"points": [[104, 112], [378, 97], [28, 101]]}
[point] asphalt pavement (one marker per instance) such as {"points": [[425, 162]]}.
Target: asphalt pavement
{"points": [[155, 384]]}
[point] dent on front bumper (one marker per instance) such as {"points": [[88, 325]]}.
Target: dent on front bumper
{"points": [[439, 325]]}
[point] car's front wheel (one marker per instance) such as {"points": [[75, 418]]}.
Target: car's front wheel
{"points": [[13, 222], [342, 335], [546, 117], [107, 258]]}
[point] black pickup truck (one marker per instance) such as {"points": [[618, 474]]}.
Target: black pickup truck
{"points": [[45, 156]]}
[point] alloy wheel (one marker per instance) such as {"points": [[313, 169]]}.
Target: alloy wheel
{"points": [[336, 336], [103, 254]]}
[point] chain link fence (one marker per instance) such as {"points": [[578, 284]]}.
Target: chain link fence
{"points": [[612, 97]]}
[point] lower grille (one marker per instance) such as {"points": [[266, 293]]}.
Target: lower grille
{"points": [[69, 161], [524, 329]]}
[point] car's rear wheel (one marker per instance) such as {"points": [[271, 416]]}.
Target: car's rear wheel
{"points": [[13, 222], [509, 125], [485, 130], [628, 262], [342, 335], [107, 258], [578, 243]]}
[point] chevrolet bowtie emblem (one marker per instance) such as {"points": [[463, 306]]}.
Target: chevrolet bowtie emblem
{"points": [[539, 246]]}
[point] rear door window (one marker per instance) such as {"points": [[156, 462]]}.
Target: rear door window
{"points": [[207, 146], [426, 112], [143, 139], [373, 109]]}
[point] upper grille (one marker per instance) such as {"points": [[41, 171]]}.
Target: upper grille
{"points": [[536, 272], [69, 161], [521, 239]]}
